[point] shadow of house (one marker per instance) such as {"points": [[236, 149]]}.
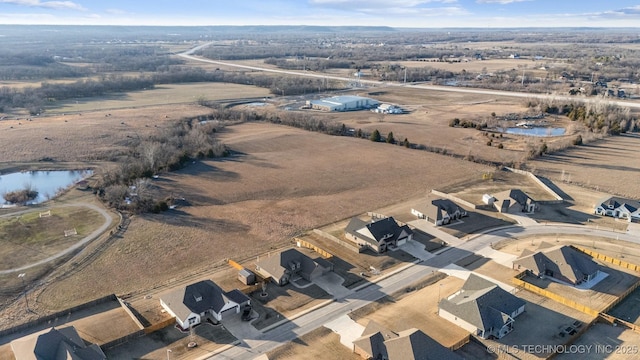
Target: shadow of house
{"points": [[561, 262], [283, 266], [620, 208], [482, 308], [439, 211], [514, 201], [56, 344], [378, 235], [194, 303], [377, 342]]}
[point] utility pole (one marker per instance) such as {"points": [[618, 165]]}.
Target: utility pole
{"points": [[405, 75], [26, 300]]}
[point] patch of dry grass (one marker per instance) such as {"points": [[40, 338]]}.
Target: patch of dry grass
{"points": [[321, 343]]}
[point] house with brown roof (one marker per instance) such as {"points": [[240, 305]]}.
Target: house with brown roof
{"points": [[379, 234], [482, 308], [283, 266], [195, 303], [562, 263], [378, 342], [55, 344]]}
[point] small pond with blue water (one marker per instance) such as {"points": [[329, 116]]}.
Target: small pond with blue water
{"points": [[46, 183]]}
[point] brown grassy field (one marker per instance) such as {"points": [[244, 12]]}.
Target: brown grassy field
{"points": [[163, 95], [84, 136], [283, 181], [609, 165]]}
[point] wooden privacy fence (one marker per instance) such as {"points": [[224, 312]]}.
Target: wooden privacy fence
{"points": [[608, 259], [234, 264], [517, 280], [305, 244], [159, 326]]}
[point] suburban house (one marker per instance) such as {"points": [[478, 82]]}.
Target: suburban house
{"points": [[513, 201], [55, 344], [620, 208], [439, 211], [377, 342], [378, 235], [482, 308], [203, 300], [282, 266], [561, 262]]}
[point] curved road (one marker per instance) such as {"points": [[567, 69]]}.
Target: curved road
{"points": [[108, 221], [189, 55], [264, 342]]}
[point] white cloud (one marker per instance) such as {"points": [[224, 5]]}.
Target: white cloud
{"points": [[46, 4], [503, 2]]}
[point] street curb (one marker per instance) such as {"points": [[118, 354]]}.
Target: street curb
{"points": [[296, 315], [219, 350]]}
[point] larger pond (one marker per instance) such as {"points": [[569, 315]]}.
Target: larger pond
{"points": [[535, 131], [46, 183]]}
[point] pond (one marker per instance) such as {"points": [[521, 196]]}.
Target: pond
{"points": [[46, 183], [535, 131]]}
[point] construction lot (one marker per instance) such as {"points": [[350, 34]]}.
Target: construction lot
{"points": [[321, 343], [418, 309], [603, 341], [544, 322]]}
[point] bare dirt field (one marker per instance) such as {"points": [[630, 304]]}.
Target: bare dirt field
{"points": [[321, 343], [604, 341], [283, 181], [418, 310], [608, 165]]}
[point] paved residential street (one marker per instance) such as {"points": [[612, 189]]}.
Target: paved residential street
{"points": [[264, 342]]}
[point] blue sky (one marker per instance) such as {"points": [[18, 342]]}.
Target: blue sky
{"points": [[396, 13]]}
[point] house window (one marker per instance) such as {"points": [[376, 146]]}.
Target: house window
{"points": [[192, 321]]}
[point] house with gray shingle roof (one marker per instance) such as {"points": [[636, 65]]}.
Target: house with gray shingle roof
{"points": [[561, 262], [194, 303], [281, 267], [514, 201], [439, 211], [413, 344], [379, 234], [378, 342], [482, 308], [55, 344], [618, 207]]}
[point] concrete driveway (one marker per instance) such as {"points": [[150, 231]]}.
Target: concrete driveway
{"points": [[332, 284], [416, 250]]}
